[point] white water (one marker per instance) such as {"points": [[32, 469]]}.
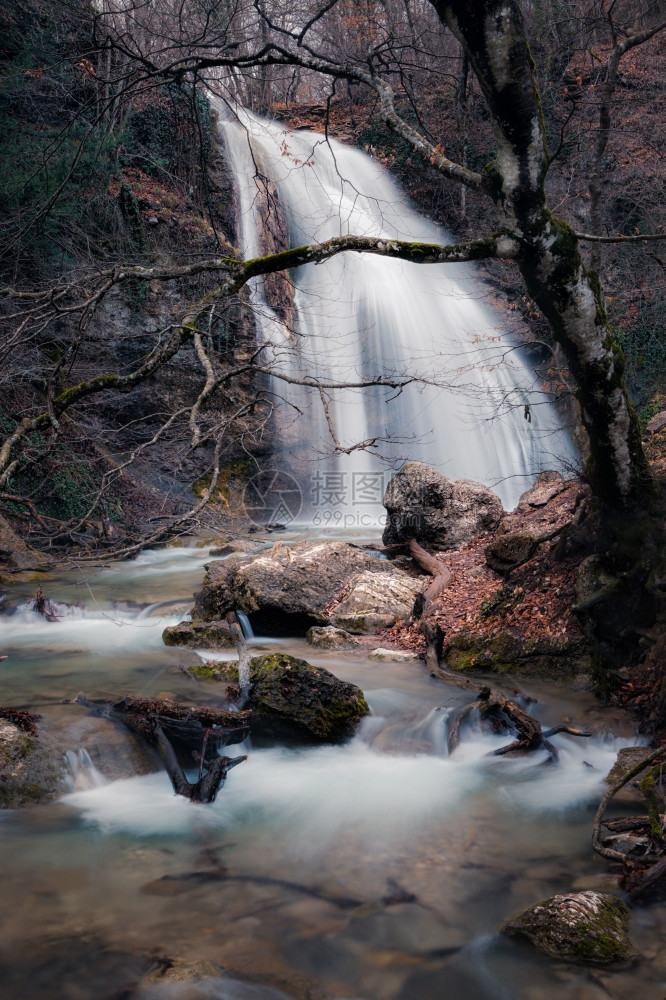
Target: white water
{"points": [[359, 316]]}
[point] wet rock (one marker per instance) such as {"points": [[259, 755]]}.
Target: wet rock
{"points": [[296, 696], [625, 843], [375, 601], [627, 759], [509, 551], [423, 504], [32, 767], [199, 635], [393, 655], [181, 971], [329, 637], [284, 592], [587, 927]]}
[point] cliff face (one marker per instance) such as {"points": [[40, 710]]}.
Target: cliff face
{"points": [[91, 183]]}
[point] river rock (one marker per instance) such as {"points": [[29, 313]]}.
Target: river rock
{"points": [[199, 635], [423, 504], [509, 551], [295, 695], [375, 601], [284, 592], [392, 655], [329, 637], [588, 927], [32, 768]]}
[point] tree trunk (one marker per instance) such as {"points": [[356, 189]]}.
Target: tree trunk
{"points": [[493, 35]]}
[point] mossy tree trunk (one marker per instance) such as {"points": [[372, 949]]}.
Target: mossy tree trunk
{"points": [[494, 38]]}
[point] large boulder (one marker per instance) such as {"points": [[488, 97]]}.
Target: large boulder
{"points": [[587, 927], [287, 591], [423, 504], [290, 695], [375, 601]]}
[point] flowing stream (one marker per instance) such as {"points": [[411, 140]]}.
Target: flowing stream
{"points": [[377, 869], [479, 413]]}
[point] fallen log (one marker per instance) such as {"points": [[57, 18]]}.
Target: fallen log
{"points": [[182, 735]]}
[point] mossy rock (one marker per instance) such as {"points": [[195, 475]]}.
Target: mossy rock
{"points": [[509, 551], [585, 927], [199, 635], [298, 697], [508, 652], [32, 768]]}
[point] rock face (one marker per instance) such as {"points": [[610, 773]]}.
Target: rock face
{"points": [[588, 927], [329, 637], [375, 601], [423, 504], [287, 592], [199, 635], [296, 696]]}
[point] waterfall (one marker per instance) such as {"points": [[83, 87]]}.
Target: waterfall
{"points": [[480, 413]]}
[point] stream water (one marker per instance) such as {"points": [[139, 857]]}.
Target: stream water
{"points": [[291, 880]]}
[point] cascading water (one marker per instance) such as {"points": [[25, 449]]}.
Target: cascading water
{"points": [[358, 316]]}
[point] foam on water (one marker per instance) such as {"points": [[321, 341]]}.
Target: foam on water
{"points": [[93, 631], [310, 798]]}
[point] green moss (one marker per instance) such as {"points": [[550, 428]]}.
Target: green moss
{"points": [[655, 800]]}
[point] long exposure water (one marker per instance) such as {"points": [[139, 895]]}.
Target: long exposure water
{"points": [[378, 869], [358, 316]]}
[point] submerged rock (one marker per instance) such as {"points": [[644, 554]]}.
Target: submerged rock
{"points": [[423, 504], [392, 655], [588, 927], [329, 637], [199, 635], [299, 697], [286, 591], [375, 601]]}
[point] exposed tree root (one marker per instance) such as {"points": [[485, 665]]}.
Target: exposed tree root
{"points": [[177, 731]]}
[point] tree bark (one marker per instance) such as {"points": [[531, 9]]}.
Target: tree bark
{"points": [[494, 38]]}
